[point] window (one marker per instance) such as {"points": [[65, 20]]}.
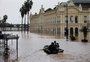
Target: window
{"points": [[71, 31], [58, 19], [85, 19], [58, 30], [76, 31], [66, 19], [76, 19], [71, 19]]}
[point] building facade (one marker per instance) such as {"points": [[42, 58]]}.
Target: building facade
{"points": [[53, 21]]}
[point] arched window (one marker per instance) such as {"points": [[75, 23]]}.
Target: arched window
{"points": [[71, 31], [76, 19], [76, 31]]}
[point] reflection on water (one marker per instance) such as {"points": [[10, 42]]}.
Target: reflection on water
{"points": [[31, 45]]}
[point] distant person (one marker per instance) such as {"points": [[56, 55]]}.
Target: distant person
{"points": [[57, 46], [55, 43], [52, 47]]}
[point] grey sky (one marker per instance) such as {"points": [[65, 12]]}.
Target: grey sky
{"points": [[11, 8]]}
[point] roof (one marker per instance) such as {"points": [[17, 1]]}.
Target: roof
{"points": [[49, 9], [81, 1]]}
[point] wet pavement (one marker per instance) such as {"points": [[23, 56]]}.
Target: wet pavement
{"points": [[31, 45]]}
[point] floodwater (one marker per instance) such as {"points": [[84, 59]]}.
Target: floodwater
{"points": [[31, 45]]}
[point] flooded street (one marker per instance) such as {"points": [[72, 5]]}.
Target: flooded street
{"points": [[31, 45]]}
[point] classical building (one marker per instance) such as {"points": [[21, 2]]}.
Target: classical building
{"points": [[54, 21]]}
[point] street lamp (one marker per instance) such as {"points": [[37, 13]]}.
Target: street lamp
{"points": [[66, 29]]}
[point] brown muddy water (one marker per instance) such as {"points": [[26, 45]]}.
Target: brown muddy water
{"points": [[31, 45]]}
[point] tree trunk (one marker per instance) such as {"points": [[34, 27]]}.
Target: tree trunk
{"points": [[28, 21], [25, 23], [22, 25]]}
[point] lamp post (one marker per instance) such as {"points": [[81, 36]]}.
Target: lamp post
{"points": [[66, 22]]}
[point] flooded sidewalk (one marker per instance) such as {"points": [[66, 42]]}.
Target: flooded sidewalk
{"points": [[31, 45]]}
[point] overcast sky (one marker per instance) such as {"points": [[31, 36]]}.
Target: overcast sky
{"points": [[11, 8]]}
